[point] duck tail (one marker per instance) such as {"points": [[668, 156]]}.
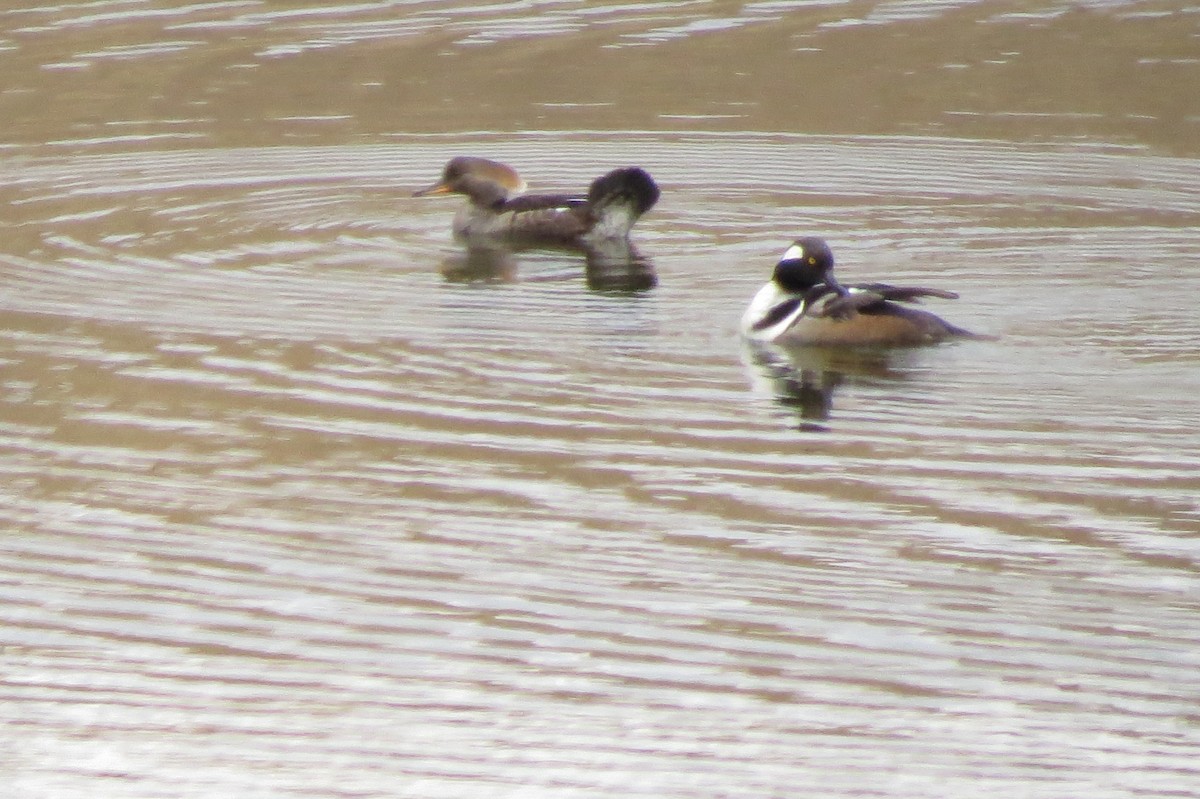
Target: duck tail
{"points": [[618, 199]]}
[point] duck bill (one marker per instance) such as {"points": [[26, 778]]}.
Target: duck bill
{"points": [[436, 188], [836, 286]]}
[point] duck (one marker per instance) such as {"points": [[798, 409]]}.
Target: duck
{"points": [[496, 209], [804, 304]]}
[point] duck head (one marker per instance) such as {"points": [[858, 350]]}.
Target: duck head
{"points": [[485, 182], [805, 264]]}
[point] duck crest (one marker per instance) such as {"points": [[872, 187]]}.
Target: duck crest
{"points": [[806, 264]]}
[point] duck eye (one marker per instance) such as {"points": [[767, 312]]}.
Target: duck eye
{"points": [[812, 261]]}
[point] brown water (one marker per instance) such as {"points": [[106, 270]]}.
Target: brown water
{"points": [[292, 508]]}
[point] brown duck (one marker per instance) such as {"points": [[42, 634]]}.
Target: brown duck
{"points": [[496, 209]]}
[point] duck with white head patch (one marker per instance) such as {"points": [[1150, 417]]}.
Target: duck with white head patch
{"points": [[804, 304]]}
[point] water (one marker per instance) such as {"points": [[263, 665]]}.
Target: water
{"points": [[293, 509]]}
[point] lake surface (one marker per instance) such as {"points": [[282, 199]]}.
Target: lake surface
{"points": [[295, 506]]}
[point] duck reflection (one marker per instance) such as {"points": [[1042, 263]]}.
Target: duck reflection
{"points": [[482, 263], [609, 265], [616, 265], [804, 380]]}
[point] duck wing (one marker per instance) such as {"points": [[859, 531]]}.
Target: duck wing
{"points": [[864, 297], [542, 202], [907, 293]]}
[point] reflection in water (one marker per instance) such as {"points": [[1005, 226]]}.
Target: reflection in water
{"points": [[805, 379], [616, 265], [481, 264], [609, 265]]}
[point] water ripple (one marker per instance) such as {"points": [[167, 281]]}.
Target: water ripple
{"points": [[287, 494]]}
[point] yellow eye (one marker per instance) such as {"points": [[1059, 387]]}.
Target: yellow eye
{"points": [[812, 261]]}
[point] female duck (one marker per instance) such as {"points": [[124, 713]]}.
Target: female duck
{"points": [[804, 304], [496, 209]]}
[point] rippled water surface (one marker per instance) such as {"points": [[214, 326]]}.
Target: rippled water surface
{"points": [[295, 506]]}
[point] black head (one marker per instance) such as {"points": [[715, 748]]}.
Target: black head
{"points": [[807, 263]]}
